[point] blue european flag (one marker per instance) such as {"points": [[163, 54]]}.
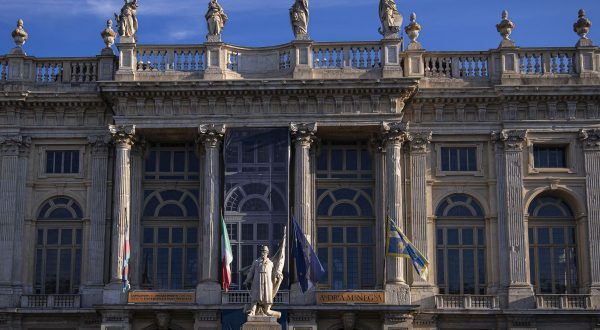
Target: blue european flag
{"points": [[398, 245], [308, 267]]}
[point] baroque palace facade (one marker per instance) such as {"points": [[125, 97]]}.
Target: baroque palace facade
{"points": [[488, 160]]}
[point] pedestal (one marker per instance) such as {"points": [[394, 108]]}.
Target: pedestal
{"points": [[261, 323], [208, 293], [113, 294]]}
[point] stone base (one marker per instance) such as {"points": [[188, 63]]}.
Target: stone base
{"points": [[113, 294], [261, 323], [302, 37], [297, 297], [423, 294], [213, 38], [521, 297], [506, 44], [107, 51], [397, 294], [414, 45], [208, 293], [584, 43], [8, 297], [18, 51], [91, 295], [214, 73]]}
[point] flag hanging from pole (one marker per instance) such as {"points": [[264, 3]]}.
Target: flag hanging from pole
{"points": [[126, 255], [308, 267], [398, 245], [226, 257]]}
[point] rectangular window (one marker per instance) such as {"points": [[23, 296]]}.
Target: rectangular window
{"points": [[172, 162], [62, 161], [549, 156], [459, 159], [58, 260]]}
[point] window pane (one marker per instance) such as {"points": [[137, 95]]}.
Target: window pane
{"points": [[52, 237], [453, 271], [337, 235], [66, 236], [368, 267], [439, 236], [468, 272], [545, 271], [336, 160], [262, 232], [147, 267], [324, 257], [351, 234], [366, 235], [351, 160], [543, 236], [176, 268], [247, 232], [247, 255], [191, 267], [51, 270], [480, 237], [322, 235], [192, 235], [165, 161], [452, 237], [179, 161], [338, 269], [162, 269], [481, 266], [445, 156], [472, 162], [148, 235], [454, 159], [467, 236], [440, 266], [352, 268], [163, 235], [64, 284], [558, 235], [177, 235], [50, 161]]}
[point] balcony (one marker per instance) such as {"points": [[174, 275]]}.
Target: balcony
{"points": [[46, 301], [563, 301], [243, 297], [475, 302]]}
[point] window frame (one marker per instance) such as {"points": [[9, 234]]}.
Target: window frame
{"points": [[478, 154], [43, 154], [570, 161]]}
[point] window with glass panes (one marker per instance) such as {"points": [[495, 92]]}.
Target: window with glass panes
{"points": [[256, 194], [62, 161], [459, 159], [345, 220], [170, 218], [58, 247], [460, 246], [549, 156], [552, 246]]}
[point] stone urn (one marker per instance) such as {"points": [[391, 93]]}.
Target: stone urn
{"points": [[108, 35], [413, 29], [582, 26], [505, 26], [19, 35]]}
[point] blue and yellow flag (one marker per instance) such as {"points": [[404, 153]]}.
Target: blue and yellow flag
{"points": [[398, 245]]}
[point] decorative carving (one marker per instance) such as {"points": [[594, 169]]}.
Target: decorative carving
{"points": [[303, 316], [412, 31], [211, 135], [394, 132], [513, 139], [299, 17], [304, 134], [19, 35], [396, 317], [108, 35], [391, 19], [505, 28], [425, 320], [207, 316], [122, 135], [419, 141], [11, 145], [349, 321], [99, 143], [127, 20], [582, 28], [163, 320], [590, 139], [215, 20]]}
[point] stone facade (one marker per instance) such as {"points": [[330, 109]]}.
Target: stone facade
{"points": [[439, 128]]}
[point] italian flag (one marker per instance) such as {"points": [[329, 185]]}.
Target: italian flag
{"points": [[226, 257]]}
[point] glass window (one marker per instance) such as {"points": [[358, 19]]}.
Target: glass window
{"points": [[172, 162], [62, 161], [549, 156], [459, 159], [460, 246], [340, 161]]}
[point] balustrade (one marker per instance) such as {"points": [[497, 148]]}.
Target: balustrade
{"points": [[563, 301], [243, 297], [3, 69], [338, 55], [544, 61], [51, 301], [466, 302], [170, 58], [456, 65]]}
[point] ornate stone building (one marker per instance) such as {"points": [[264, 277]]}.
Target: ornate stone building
{"points": [[488, 160]]}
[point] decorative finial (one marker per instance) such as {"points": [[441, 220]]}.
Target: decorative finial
{"points": [[412, 30], [505, 28], [582, 28], [215, 20], [19, 35], [108, 35]]}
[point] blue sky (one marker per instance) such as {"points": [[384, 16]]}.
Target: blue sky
{"points": [[72, 27]]}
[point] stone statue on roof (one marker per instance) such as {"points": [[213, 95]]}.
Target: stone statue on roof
{"points": [[391, 19], [215, 20], [127, 19], [299, 18]]}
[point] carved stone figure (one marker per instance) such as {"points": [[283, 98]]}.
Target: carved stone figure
{"points": [[412, 31], [127, 20], [108, 35], [391, 19], [505, 28], [265, 276], [582, 28], [215, 20], [19, 35], [299, 18]]}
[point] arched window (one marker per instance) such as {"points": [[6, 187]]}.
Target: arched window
{"points": [[460, 246], [58, 247], [170, 239], [552, 245]]}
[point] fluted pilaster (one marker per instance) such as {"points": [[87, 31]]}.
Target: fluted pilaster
{"points": [[138, 153], [303, 136], [380, 208], [123, 137], [21, 197], [591, 146]]}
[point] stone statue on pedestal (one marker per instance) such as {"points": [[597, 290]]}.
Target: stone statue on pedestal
{"points": [[391, 19], [265, 276], [299, 18], [215, 20], [127, 20]]}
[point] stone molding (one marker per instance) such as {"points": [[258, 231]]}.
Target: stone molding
{"points": [[304, 134], [419, 141], [303, 316], [513, 140], [590, 139], [211, 135], [394, 132], [123, 136]]}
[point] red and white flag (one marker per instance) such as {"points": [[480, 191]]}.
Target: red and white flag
{"points": [[226, 257]]}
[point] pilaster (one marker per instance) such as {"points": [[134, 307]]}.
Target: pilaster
{"points": [[97, 199], [511, 219], [209, 289], [123, 138], [397, 290], [380, 210], [19, 233], [422, 291], [591, 149], [138, 153]]}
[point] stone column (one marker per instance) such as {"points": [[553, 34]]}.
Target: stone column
{"points": [[380, 211], [20, 202], [138, 153], [591, 151], [123, 137], [422, 291], [97, 201], [397, 291], [209, 288], [511, 218]]}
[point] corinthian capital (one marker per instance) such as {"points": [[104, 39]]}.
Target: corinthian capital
{"points": [[513, 140], [590, 138], [14, 144], [123, 135], [211, 135], [303, 134], [99, 143], [394, 132], [419, 141]]}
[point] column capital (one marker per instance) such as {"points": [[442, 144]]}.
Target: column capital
{"points": [[419, 141], [513, 140], [99, 143], [14, 144], [394, 132], [211, 135], [123, 135], [590, 139], [303, 133], [140, 148]]}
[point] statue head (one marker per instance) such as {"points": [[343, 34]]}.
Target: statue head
{"points": [[264, 251]]}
